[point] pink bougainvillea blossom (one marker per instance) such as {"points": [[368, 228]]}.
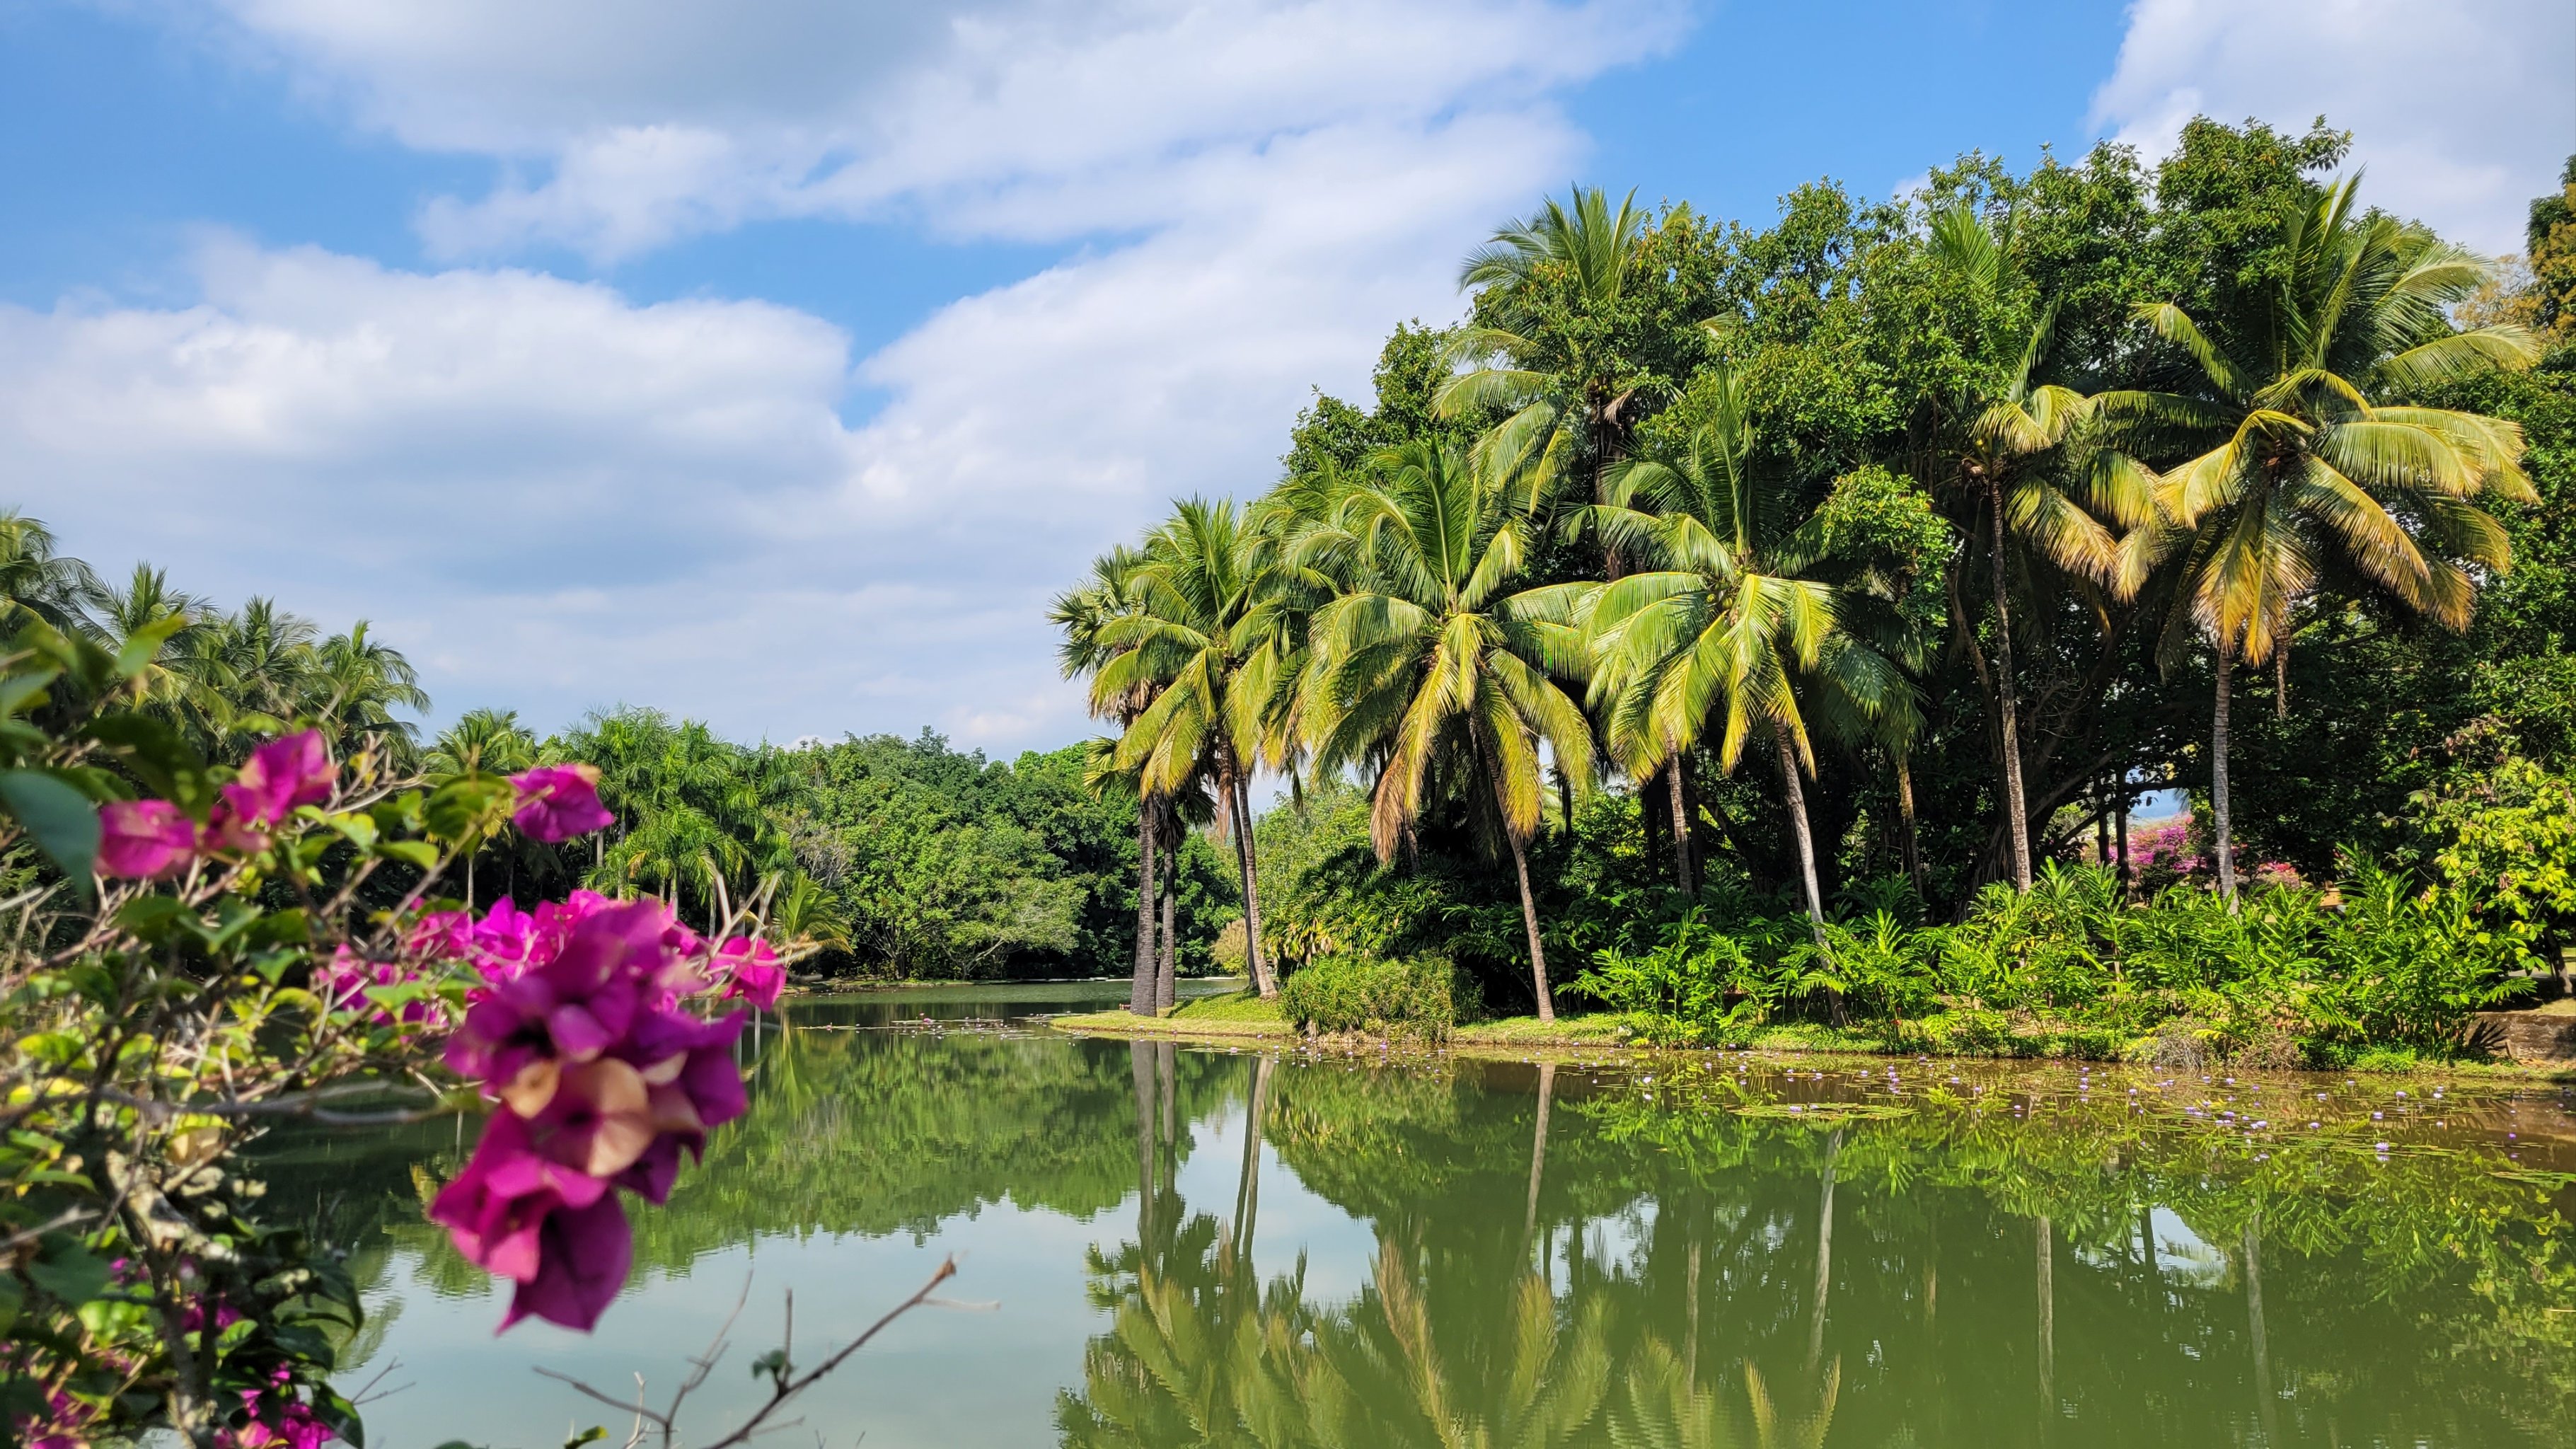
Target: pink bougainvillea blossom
{"points": [[583, 1256], [603, 1081], [141, 839], [278, 776], [749, 969], [558, 802], [279, 1420]]}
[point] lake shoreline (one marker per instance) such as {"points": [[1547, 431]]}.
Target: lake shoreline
{"points": [[1590, 1034]]}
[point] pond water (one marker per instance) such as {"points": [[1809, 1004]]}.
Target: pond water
{"points": [[1450, 1251]]}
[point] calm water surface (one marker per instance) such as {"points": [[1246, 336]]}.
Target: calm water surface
{"points": [[1460, 1252]]}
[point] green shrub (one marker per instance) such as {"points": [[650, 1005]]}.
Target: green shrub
{"points": [[1373, 996], [1674, 993]]}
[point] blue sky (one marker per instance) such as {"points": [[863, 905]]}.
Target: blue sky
{"points": [[772, 363]]}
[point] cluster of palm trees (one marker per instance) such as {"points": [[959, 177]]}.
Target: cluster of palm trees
{"points": [[1415, 619], [224, 679]]}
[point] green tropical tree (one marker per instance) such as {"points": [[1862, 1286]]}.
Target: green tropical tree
{"points": [[1708, 644], [353, 684], [1543, 348], [2008, 449], [166, 688], [36, 579], [1087, 616], [1212, 654], [1429, 671], [2319, 468]]}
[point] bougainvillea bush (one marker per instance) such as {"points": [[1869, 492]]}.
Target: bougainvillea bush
{"points": [[191, 952]]}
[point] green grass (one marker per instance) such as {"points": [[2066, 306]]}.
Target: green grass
{"points": [[1594, 1029], [1229, 1015]]}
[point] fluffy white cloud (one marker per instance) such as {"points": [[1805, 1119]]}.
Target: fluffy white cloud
{"points": [[2461, 112], [640, 122], [556, 498]]}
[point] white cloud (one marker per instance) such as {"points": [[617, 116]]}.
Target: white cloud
{"points": [[556, 498], [636, 123], [2461, 111]]}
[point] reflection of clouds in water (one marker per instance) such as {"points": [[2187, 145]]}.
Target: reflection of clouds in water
{"points": [[2182, 1257], [1611, 1242]]}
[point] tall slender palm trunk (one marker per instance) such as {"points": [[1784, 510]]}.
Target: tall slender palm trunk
{"points": [[1824, 1256], [2008, 704], [1239, 805], [1907, 840], [2222, 824], [1538, 1153], [1168, 952], [1247, 1187], [1682, 861], [1140, 993], [1529, 922], [1798, 827], [2047, 1263]]}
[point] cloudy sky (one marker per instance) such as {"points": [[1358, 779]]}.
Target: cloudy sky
{"points": [[772, 362]]}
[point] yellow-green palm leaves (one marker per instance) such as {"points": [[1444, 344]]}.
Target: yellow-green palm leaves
{"points": [[1428, 667], [1203, 641], [2317, 462], [2316, 459], [1539, 350]]}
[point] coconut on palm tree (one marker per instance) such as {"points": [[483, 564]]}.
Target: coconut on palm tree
{"points": [[2319, 468], [1429, 668]]}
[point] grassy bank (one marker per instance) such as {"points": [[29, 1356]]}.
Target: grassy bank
{"points": [[1960, 1034]]}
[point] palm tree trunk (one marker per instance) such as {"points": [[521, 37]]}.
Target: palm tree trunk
{"points": [[2222, 826], [1238, 801], [2120, 829], [1538, 1152], [1140, 1067], [1798, 826], [2008, 705], [1247, 1188], [1682, 862], [2264, 1403], [1907, 840], [1529, 920], [2047, 1249], [1824, 1256], [1167, 969], [1565, 800], [1140, 993]]}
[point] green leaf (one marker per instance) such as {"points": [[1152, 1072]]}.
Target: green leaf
{"points": [[11, 1297], [71, 1273], [25, 691], [410, 852], [60, 819], [144, 645], [156, 754], [591, 1435]]}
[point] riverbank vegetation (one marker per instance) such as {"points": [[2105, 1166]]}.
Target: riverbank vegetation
{"points": [[1743, 626]]}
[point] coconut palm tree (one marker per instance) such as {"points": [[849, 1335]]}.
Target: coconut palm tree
{"points": [[1713, 638], [1212, 654], [1568, 391], [165, 688], [2007, 448], [353, 685], [1428, 667], [36, 581], [1086, 615], [2317, 467]]}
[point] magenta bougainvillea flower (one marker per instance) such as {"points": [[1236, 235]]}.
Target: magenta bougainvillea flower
{"points": [[558, 802], [749, 968], [141, 839], [583, 1255], [603, 1082], [278, 776]]}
